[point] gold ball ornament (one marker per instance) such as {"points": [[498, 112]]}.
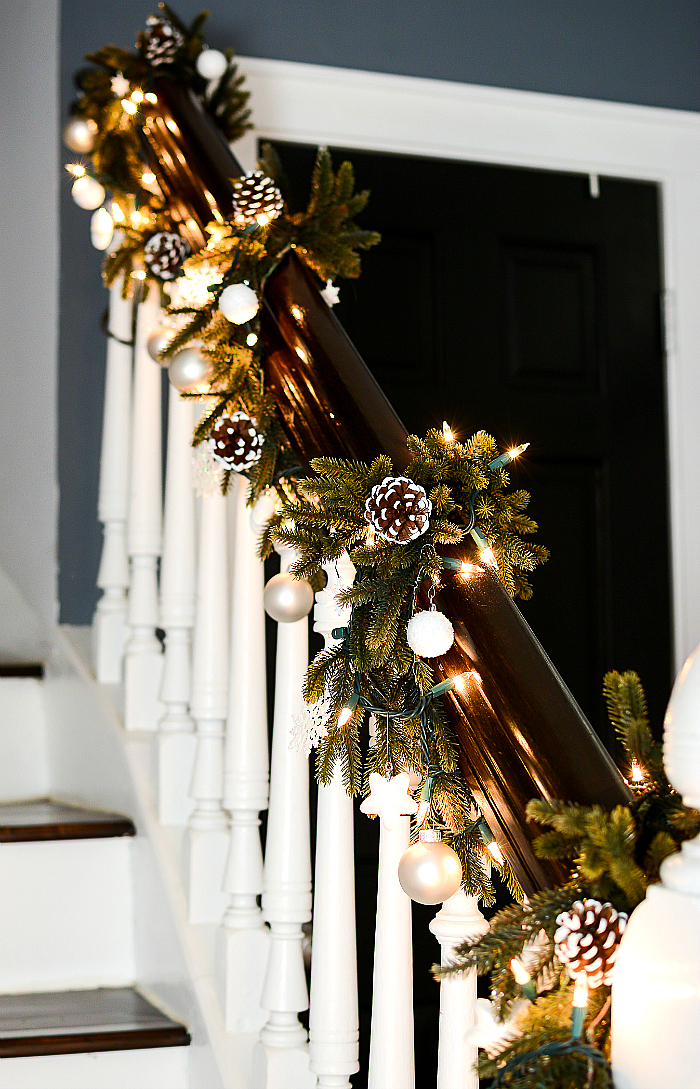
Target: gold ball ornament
{"points": [[287, 599], [238, 303], [190, 372], [87, 193], [79, 134], [430, 871], [158, 341]]}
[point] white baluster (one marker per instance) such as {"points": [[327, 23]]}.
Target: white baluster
{"points": [[459, 920], [391, 1056], [333, 1017], [144, 659], [177, 606], [109, 625], [243, 940], [282, 1057], [207, 838]]}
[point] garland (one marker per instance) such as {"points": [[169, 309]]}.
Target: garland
{"points": [[393, 528], [532, 1034]]}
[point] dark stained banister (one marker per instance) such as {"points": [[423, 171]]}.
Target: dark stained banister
{"points": [[521, 733]]}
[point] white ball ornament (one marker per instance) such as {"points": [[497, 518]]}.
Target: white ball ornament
{"points": [[211, 64], [158, 341], [190, 372], [87, 192], [238, 303], [79, 134], [101, 229], [429, 633], [287, 599], [430, 871]]}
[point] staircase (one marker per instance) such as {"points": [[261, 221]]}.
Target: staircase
{"points": [[86, 989]]}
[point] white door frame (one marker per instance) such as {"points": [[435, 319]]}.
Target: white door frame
{"points": [[346, 108]]}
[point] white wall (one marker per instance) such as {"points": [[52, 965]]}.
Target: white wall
{"points": [[29, 299]]}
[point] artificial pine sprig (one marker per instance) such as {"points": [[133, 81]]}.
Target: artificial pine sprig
{"points": [[615, 855]]}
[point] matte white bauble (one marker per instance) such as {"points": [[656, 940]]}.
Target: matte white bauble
{"points": [[287, 599], [190, 372], [101, 229], [158, 341], [430, 871], [238, 303], [79, 134], [87, 192], [429, 633], [211, 64]]}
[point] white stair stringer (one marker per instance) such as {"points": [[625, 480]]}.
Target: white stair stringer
{"points": [[142, 1068], [174, 963]]}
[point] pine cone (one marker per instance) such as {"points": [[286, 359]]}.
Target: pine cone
{"points": [[162, 40], [256, 199], [398, 509], [236, 442], [164, 253], [587, 940]]}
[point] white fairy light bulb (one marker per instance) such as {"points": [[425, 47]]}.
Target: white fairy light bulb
{"points": [[429, 633], [101, 229], [87, 192], [211, 64], [238, 303]]}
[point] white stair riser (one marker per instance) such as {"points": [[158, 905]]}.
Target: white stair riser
{"points": [[151, 1068], [24, 769], [66, 915]]}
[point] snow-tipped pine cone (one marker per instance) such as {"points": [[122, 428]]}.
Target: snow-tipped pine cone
{"points": [[256, 199], [162, 40], [587, 939], [398, 509], [164, 254], [236, 442]]}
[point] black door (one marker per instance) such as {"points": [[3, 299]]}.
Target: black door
{"points": [[515, 301]]}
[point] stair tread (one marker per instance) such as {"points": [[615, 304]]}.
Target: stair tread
{"points": [[105, 1019], [43, 818]]}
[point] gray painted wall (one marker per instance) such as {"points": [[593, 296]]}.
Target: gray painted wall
{"points": [[28, 309], [638, 51]]}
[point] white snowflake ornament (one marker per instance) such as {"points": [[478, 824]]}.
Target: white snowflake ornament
{"points": [[120, 85], [330, 293], [311, 725], [389, 799]]}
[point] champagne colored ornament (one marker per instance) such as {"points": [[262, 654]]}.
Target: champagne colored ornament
{"points": [[158, 341], [238, 303], [430, 871], [87, 192], [190, 372], [429, 633], [80, 134], [101, 229], [287, 599], [211, 64]]}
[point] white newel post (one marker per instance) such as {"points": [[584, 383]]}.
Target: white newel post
{"points": [[177, 605], [282, 1056], [391, 1050], [333, 1016], [144, 659], [207, 834], [656, 982], [109, 625], [459, 920], [244, 939]]}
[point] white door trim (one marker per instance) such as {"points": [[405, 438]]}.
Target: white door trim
{"points": [[346, 108]]}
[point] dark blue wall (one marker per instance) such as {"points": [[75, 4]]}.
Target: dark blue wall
{"points": [[638, 51]]}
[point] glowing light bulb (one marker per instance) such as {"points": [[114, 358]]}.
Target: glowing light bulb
{"points": [[487, 556], [135, 218], [150, 97], [251, 339], [371, 537], [637, 772], [496, 854], [148, 178], [467, 569], [117, 214], [139, 274], [522, 976], [76, 169], [447, 432], [137, 95], [346, 711], [459, 682], [422, 813], [579, 1005], [129, 106], [518, 450]]}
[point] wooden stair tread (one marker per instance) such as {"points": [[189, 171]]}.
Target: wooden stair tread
{"points": [[63, 1022], [43, 819]]}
